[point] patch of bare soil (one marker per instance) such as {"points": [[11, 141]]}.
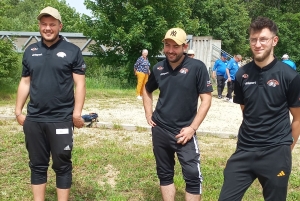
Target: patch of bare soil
{"points": [[223, 117]]}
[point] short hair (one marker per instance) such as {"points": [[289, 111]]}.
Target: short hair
{"points": [[263, 22]]}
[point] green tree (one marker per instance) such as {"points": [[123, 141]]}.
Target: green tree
{"points": [[19, 15], [287, 17], [226, 20], [289, 32], [123, 28], [9, 64]]}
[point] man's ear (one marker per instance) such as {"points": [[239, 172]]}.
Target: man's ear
{"points": [[60, 26], [275, 41], [185, 46]]}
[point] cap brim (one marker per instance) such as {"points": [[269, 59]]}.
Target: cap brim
{"points": [[41, 15], [178, 42]]}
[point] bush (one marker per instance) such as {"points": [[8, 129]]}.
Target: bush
{"points": [[110, 77], [9, 65]]}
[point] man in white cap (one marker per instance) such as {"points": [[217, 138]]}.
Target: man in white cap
{"points": [[51, 68], [191, 53], [174, 122], [286, 59]]}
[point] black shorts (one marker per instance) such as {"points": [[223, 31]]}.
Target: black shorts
{"points": [[271, 167], [43, 139], [164, 147]]}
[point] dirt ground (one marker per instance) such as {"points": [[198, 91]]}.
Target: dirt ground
{"points": [[223, 118]]}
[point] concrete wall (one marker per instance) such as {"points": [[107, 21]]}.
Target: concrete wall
{"points": [[203, 48]]}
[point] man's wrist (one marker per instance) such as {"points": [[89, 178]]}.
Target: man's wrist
{"points": [[18, 114], [193, 128]]}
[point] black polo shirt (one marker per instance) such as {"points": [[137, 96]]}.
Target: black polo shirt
{"points": [[51, 80], [267, 94], [179, 92]]}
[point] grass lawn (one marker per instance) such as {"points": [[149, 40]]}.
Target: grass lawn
{"points": [[117, 165]]}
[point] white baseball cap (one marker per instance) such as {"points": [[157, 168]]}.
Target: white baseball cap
{"points": [[285, 56], [191, 52]]}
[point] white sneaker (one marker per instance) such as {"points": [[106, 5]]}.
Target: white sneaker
{"points": [[230, 100], [139, 97]]}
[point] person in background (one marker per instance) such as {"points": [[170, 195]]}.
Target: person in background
{"points": [[231, 69], [142, 72], [268, 92], [286, 59], [51, 68], [219, 71], [181, 82], [191, 53]]}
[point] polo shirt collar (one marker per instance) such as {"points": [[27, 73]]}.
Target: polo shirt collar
{"points": [[267, 67]]}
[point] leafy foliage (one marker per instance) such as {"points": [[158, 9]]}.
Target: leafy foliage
{"points": [[123, 29], [17, 15], [9, 63], [227, 20], [289, 28]]}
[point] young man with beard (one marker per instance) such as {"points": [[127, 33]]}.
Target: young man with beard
{"points": [[267, 90], [181, 81], [51, 67]]}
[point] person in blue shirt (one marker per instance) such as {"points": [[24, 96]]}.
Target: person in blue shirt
{"points": [[219, 71], [285, 59], [231, 69]]}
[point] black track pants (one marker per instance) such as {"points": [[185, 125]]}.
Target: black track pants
{"points": [[271, 167]]}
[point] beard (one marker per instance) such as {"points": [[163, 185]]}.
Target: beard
{"points": [[261, 58], [174, 60]]}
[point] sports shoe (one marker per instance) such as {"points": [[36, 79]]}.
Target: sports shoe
{"points": [[230, 100], [139, 97], [219, 97]]}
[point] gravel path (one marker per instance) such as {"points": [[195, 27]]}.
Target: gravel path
{"points": [[223, 118]]}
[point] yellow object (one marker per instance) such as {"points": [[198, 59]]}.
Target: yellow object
{"points": [[280, 174], [142, 79]]}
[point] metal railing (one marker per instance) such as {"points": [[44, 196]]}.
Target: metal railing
{"points": [[216, 53], [21, 40]]}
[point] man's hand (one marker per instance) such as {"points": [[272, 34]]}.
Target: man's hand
{"points": [[229, 79], [78, 121], [185, 135], [150, 122], [21, 118], [213, 75]]}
